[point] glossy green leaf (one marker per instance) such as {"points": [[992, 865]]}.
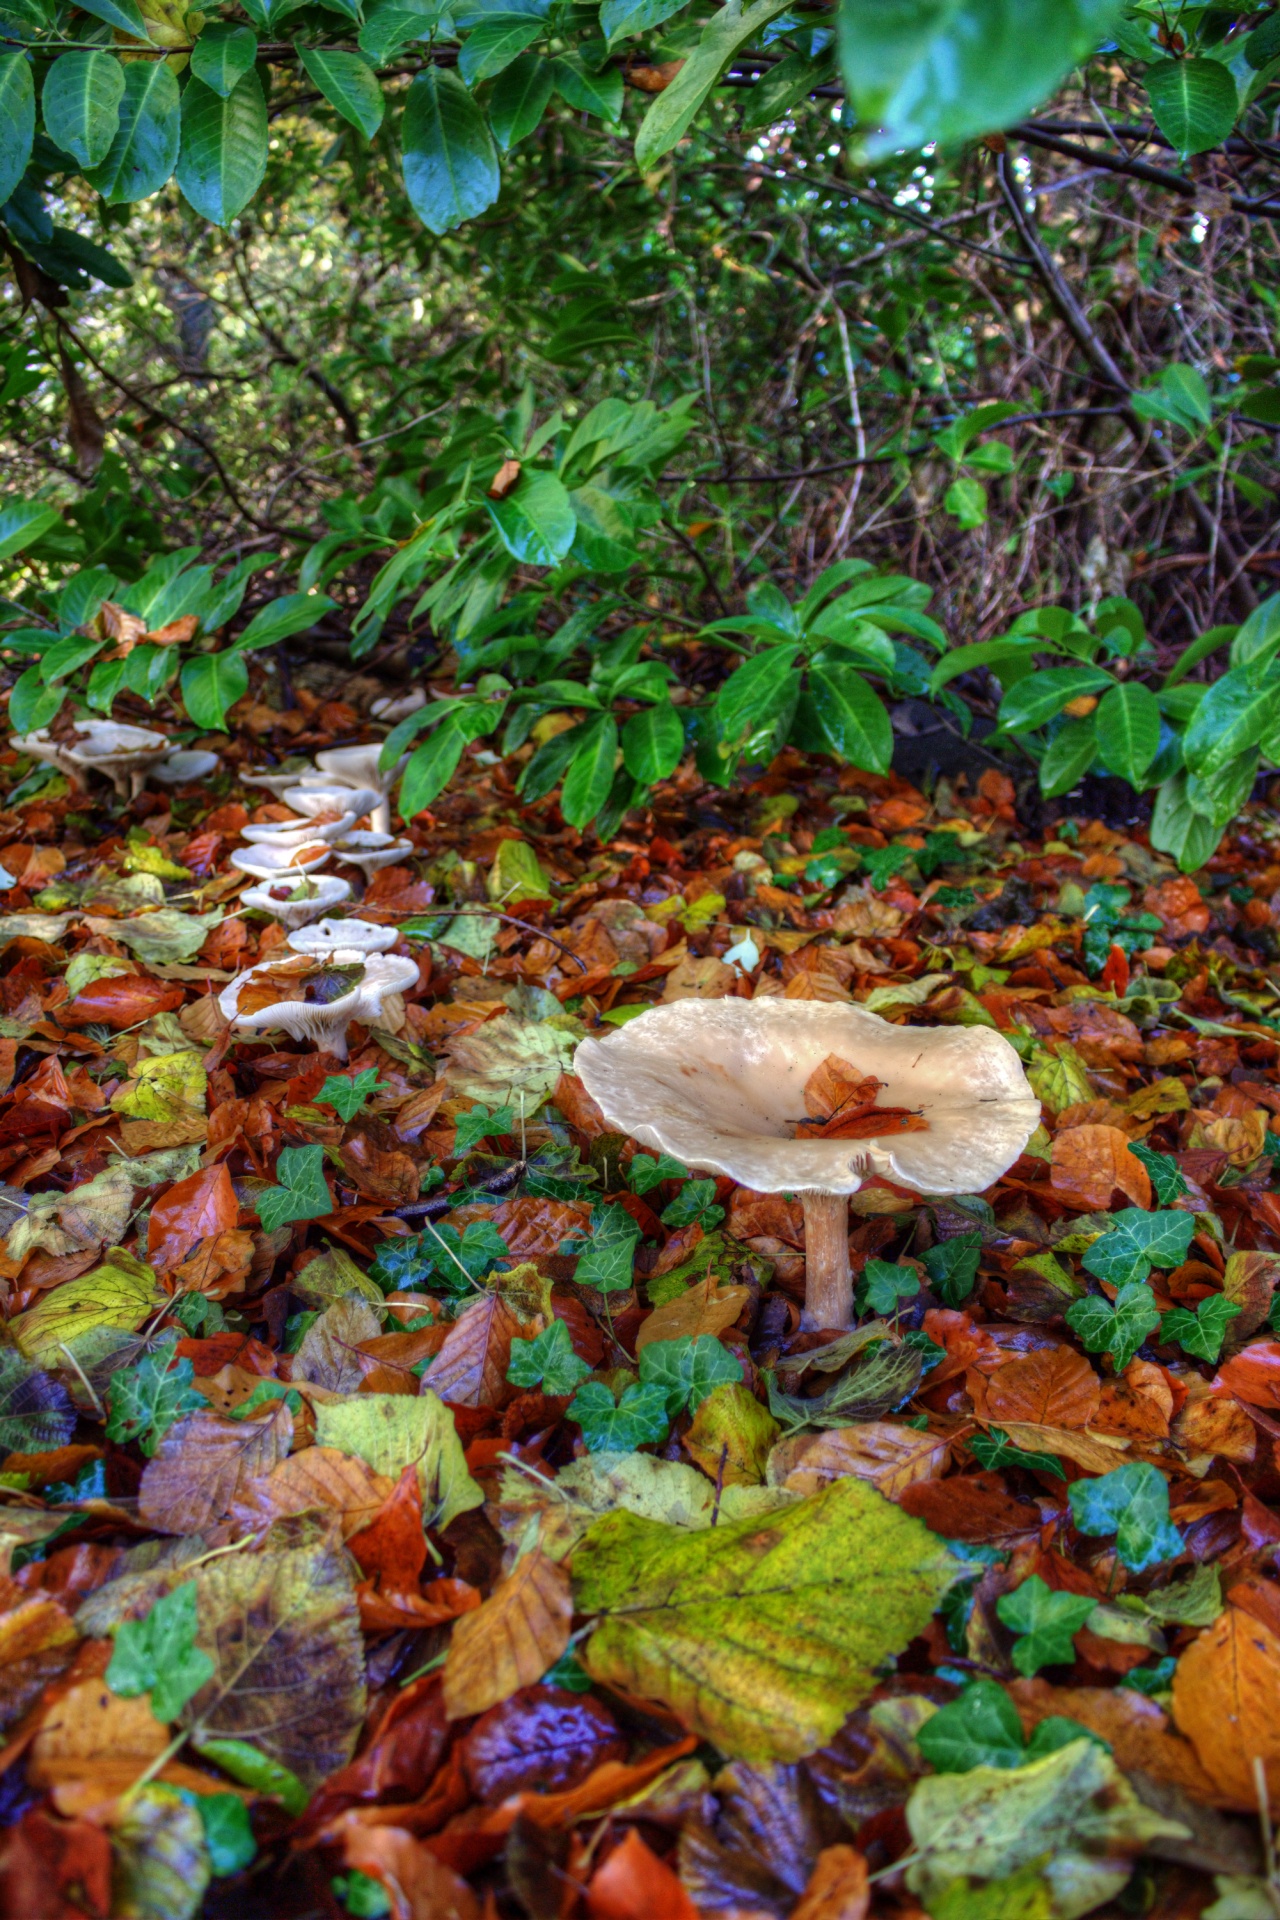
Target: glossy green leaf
{"points": [[22, 522], [211, 684], [1177, 828], [547, 1361], [980, 1729], [519, 99], [223, 54], [1193, 101], [609, 1252], [587, 92], [1068, 757], [1136, 1241], [1202, 1332], [1041, 695], [759, 689], [224, 148], [653, 743], [1118, 1329], [590, 776], [1127, 722], [639, 1419], [536, 521], [17, 120], [1258, 641], [33, 704], [949, 70], [495, 43], [852, 717], [688, 1369], [280, 619], [145, 148], [450, 166], [81, 104], [669, 117], [301, 1192]]}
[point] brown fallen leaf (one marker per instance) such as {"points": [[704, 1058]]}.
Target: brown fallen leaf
{"points": [[90, 1724], [1226, 1699], [1091, 1164], [419, 1886], [203, 1461], [890, 1456], [707, 1306], [1137, 1730], [470, 1369], [1095, 1452], [510, 1641], [315, 1480], [1054, 1387], [838, 1887]]}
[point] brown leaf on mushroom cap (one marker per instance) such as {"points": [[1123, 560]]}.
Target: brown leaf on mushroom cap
{"points": [[720, 1085]]}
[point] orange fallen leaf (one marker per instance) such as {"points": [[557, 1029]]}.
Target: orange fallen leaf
{"points": [[1226, 1699], [890, 1456], [1091, 1164], [633, 1884], [510, 1641], [1053, 1387], [838, 1887]]}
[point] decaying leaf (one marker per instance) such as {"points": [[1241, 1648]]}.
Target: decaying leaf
{"points": [[520, 1631], [392, 1431], [890, 1457]]}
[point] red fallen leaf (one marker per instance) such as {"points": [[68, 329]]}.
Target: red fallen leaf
{"points": [[124, 1001], [227, 1350], [577, 1106], [400, 1758], [633, 1884], [42, 1104], [1253, 1375], [202, 1205], [541, 1739], [56, 1869], [392, 1550], [419, 1886], [389, 1610], [974, 1508]]}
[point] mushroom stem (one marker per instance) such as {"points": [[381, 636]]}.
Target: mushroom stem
{"points": [[828, 1282], [380, 817]]}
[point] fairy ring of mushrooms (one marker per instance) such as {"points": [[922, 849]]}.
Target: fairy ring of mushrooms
{"points": [[719, 1084]]}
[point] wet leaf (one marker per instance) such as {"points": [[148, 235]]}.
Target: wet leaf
{"points": [[731, 1436]]}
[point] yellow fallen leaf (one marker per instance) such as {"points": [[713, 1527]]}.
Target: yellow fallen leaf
{"points": [[510, 1641], [120, 1293]]}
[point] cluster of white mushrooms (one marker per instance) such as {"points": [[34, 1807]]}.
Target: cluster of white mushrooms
{"points": [[326, 800], [334, 943], [127, 756]]}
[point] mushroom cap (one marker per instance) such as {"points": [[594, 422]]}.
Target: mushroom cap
{"points": [[279, 863], [103, 743], [330, 892], [358, 766], [311, 799], [720, 1084], [296, 833], [276, 779], [326, 1026], [188, 763], [398, 706], [331, 936], [370, 850]]}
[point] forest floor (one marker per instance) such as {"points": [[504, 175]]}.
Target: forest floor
{"points": [[419, 1498]]}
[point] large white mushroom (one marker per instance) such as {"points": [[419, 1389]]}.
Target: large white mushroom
{"points": [[311, 801], [325, 1025], [282, 863], [720, 1084], [297, 833]]}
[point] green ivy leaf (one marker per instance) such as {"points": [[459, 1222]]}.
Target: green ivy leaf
{"points": [[980, 1729], [302, 1193], [228, 1836], [347, 1093], [610, 1250], [645, 1173], [158, 1655], [1133, 1503], [883, 1286], [1045, 1622], [481, 1123], [1120, 1329], [146, 1399], [688, 1369], [1201, 1333], [1166, 1175], [1137, 1241], [547, 1361], [952, 1266], [693, 1202], [639, 1419]]}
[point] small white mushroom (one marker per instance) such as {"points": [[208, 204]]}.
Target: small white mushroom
{"points": [[122, 753], [187, 764], [386, 976], [325, 890], [331, 798], [282, 863], [720, 1084], [358, 767], [276, 779], [369, 851], [398, 706], [360, 936], [297, 833]]}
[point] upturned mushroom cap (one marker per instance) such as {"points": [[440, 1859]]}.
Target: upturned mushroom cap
{"points": [[358, 767], [122, 753], [385, 974], [297, 833], [330, 892], [331, 936], [333, 797], [720, 1084], [370, 850], [282, 863]]}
